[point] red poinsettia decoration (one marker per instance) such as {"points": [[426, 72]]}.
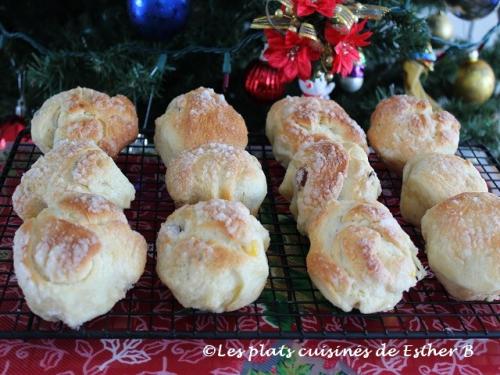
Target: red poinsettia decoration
{"points": [[290, 53], [324, 7], [345, 46]]}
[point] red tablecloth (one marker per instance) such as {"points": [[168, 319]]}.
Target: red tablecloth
{"points": [[186, 357], [133, 356]]}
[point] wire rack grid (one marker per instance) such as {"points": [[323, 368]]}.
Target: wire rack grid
{"points": [[289, 307]]}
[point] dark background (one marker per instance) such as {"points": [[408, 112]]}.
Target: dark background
{"points": [[101, 28]]}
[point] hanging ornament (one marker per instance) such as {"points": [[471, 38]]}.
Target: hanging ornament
{"points": [[441, 26], [475, 81], [301, 32], [422, 63], [9, 131], [21, 102], [343, 15], [354, 80], [158, 19], [263, 82], [15, 124], [318, 87], [471, 9], [226, 71]]}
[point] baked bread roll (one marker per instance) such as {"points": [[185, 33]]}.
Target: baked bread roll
{"points": [[216, 170], [71, 167], [77, 258], [293, 121], [360, 257], [462, 237], [85, 114], [195, 118], [403, 126], [212, 255], [323, 171], [362, 182], [432, 178]]}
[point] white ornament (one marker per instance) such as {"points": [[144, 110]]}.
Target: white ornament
{"points": [[319, 87], [351, 84]]}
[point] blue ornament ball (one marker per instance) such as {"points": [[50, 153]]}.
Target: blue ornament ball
{"points": [[158, 19], [471, 9]]}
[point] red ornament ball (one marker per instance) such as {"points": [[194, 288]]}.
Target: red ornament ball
{"points": [[9, 131], [263, 82]]}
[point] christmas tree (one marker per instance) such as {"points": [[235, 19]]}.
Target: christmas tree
{"points": [[53, 47]]}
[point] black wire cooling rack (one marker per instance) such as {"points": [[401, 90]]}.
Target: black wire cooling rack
{"points": [[289, 307]]}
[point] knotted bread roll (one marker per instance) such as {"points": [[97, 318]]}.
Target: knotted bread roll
{"points": [[216, 170], [294, 121], [323, 171], [84, 114], [71, 167], [195, 118], [360, 257], [77, 258], [212, 255], [404, 126], [462, 238], [429, 179]]}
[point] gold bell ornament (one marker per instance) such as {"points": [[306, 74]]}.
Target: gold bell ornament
{"points": [[421, 64]]}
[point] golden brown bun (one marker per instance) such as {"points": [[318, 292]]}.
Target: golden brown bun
{"points": [[432, 178], [323, 171], [77, 258], [361, 182], [360, 257], [212, 255], [294, 121], [216, 170], [83, 114], [462, 236], [71, 167], [195, 118], [314, 177], [403, 126]]}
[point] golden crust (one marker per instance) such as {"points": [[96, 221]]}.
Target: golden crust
{"points": [[361, 182], [322, 166], [228, 219], [195, 118], [91, 208], [360, 257], [360, 249], [211, 255], [208, 254], [371, 213], [462, 237], [294, 121], [429, 179], [216, 170], [85, 114], [314, 177], [71, 167], [334, 279], [403, 126], [63, 251], [323, 171], [74, 263]]}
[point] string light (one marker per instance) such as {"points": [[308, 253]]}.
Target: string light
{"points": [[173, 55], [451, 45], [131, 47]]}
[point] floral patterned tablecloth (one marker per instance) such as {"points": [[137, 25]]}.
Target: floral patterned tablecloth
{"points": [[65, 357]]}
